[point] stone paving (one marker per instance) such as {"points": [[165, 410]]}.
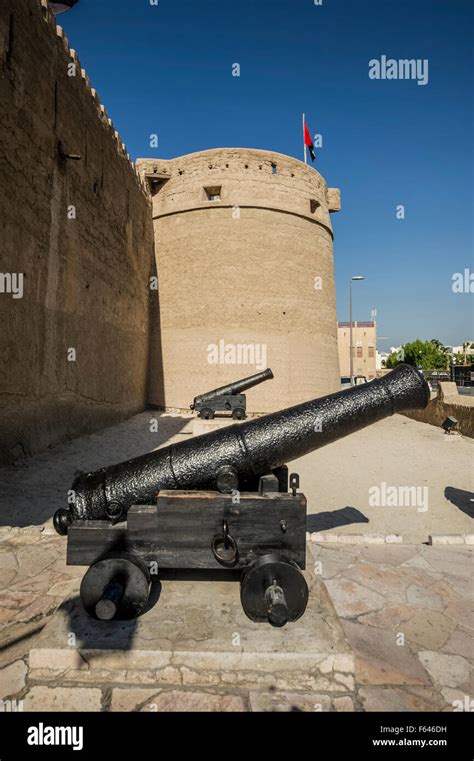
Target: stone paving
{"points": [[197, 641], [34, 580], [407, 612], [182, 657]]}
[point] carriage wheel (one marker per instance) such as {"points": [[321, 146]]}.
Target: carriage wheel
{"points": [[273, 589], [116, 587]]}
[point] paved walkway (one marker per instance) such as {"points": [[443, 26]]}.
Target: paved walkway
{"points": [[408, 614]]}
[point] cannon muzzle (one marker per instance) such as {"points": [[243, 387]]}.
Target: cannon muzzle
{"points": [[247, 451]]}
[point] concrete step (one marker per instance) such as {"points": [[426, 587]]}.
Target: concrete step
{"points": [[196, 634]]}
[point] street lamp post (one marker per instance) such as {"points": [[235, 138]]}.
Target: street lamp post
{"points": [[356, 277]]}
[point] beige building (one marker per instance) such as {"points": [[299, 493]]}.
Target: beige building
{"points": [[364, 348], [244, 253]]}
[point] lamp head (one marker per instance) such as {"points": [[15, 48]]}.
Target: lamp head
{"points": [[450, 424]]}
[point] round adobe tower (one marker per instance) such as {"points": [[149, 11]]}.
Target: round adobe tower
{"points": [[244, 250]]}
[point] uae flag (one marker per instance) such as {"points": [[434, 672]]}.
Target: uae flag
{"points": [[307, 140]]}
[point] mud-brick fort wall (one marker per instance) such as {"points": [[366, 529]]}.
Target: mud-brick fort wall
{"points": [[244, 250], [85, 279]]}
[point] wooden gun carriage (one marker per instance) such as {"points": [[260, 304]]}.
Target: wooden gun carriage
{"points": [[222, 500]]}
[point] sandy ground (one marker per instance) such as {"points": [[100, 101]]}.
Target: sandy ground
{"points": [[339, 480]]}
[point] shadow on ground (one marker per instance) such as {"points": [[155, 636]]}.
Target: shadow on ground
{"points": [[464, 500], [327, 520], [90, 633], [32, 492]]}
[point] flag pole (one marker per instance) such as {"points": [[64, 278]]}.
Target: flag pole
{"points": [[304, 143]]}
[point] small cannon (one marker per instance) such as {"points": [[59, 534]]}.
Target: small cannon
{"points": [[229, 398], [218, 501]]}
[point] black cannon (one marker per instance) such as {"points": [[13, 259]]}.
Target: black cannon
{"points": [[218, 501], [229, 398]]}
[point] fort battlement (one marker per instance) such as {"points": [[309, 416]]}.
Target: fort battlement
{"points": [[245, 177], [71, 56]]}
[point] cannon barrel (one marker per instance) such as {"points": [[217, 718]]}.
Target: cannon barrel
{"points": [[238, 387], [249, 450]]}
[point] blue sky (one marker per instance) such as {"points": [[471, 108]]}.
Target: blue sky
{"points": [[167, 69]]}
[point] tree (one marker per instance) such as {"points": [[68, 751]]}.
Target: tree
{"points": [[430, 355], [392, 360]]}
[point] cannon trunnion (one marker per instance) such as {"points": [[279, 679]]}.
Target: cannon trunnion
{"points": [[217, 502]]}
